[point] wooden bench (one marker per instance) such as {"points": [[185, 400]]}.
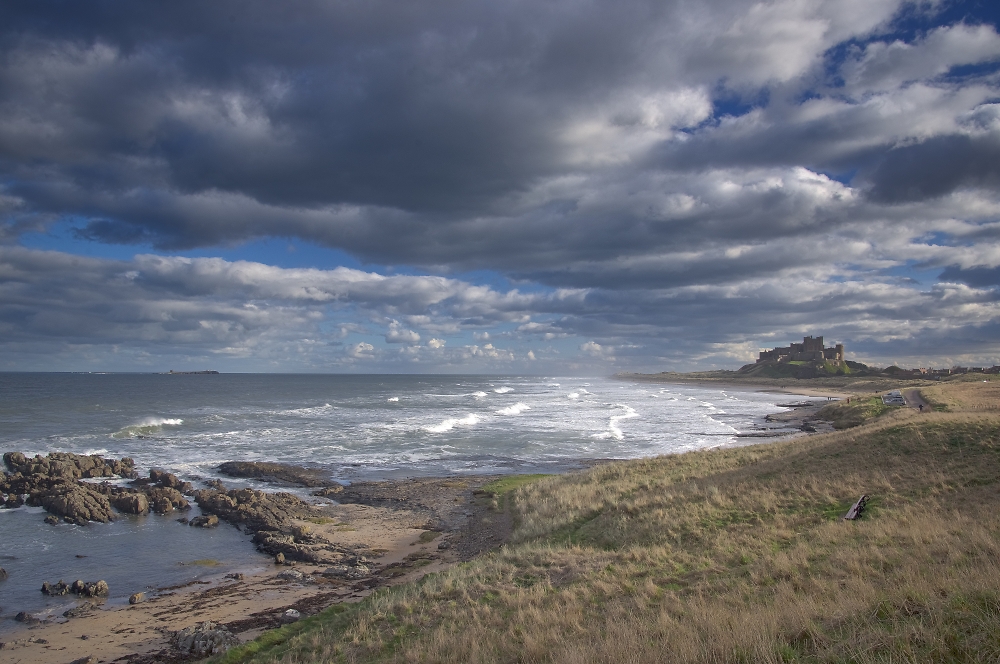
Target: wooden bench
{"points": [[857, 509]]}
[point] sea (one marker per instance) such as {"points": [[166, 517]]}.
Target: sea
{"points": [[352, 427]]}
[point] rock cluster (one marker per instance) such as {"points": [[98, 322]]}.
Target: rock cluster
{"points": [[204, 639], [276, 472], [53, 482], [269, 516], [78, 587]]}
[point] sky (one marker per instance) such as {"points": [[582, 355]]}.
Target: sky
{"points": [[496, 186]]}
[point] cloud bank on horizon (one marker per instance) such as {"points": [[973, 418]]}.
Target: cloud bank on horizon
{"points": [[496, 186]]}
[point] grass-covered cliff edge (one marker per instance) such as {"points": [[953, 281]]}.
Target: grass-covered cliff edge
{"points": [[736, 555]]}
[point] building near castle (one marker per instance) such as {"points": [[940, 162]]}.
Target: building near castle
{"points": [[810, 350]]}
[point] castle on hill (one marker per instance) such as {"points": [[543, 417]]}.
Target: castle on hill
{"points": [[810, 350]]}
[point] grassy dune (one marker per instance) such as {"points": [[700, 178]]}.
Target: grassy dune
{"points": [[735, 555]]}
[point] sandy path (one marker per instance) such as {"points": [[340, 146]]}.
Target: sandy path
{"points": [[914, 400]]}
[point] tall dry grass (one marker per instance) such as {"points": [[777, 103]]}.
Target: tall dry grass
{"points": [[733, 555]]}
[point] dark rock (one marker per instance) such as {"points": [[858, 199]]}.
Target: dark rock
{"points": [[183, 520], [14, 501], [3, 574], [55, 589], [76, 503], [276, 472], [205, 521], [329, 491], [164, 500], [91, 589], [130, 503], [79, 611], [167, 480], [51, 520], [279, 559], [90, 659], [289, 616], [137, 598], [235, 576], [26, 618]]}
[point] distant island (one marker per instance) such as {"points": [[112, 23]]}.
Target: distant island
{"points": [[190, 373]]}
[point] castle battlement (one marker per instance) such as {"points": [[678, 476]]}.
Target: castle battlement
{"points": [[811, 349]]}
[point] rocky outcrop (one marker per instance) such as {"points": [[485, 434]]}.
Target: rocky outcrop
{"points": [[204, 639], [276, 472], [82, 588], [74, 502], [68, 466], [53, 482], [169, 481], [130, 503], [164, 500], [204, 521], [3, 574], [270, 517], [137, 598]]}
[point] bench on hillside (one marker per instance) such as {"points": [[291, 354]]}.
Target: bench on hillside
{"points": [[857, 509]]}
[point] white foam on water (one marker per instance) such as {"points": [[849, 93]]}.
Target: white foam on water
{"points": [[573, 395], [516, 409], [480, 395], [146, 427], [312, 410], [91, 452], [392, 399], [613, 427], [452, 422], [503, 390]]}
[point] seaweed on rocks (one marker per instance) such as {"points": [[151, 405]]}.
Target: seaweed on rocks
{"points": [[276, 473]]}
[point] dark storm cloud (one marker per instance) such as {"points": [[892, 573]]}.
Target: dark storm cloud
{"points": [[937, 167], [755, 170]]}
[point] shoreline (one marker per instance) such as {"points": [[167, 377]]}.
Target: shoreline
{"points": [[400, 531], [389, 532], [756, 385]]}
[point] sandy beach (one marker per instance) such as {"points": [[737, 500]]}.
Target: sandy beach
{"points": [[392, 533]]}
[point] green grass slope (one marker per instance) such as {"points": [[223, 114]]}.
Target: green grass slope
{"points": [[735, 555]]}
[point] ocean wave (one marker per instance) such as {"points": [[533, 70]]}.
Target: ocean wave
{"points": [[516, 409], [452, 422], [614, 431], [503, 390], [147, 427], [393, 399], [479, 395], [573, 395], [312, 410]]}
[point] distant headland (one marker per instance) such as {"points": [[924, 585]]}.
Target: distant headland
{"points": [[190, 373], [810, 359]]}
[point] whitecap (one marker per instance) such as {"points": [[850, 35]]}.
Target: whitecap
{"points": [[148, 426], [503, 390], [479, 395], [516, 409], [573, 395], [393, 399], [452, 422]]}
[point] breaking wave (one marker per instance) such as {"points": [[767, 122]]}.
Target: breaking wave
{"points": [[452, 422], [147, 427], [516, 409]]}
